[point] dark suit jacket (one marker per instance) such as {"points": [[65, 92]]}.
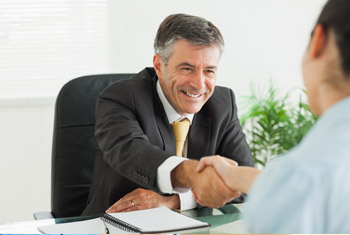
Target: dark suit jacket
{"points": [[134, 137]]}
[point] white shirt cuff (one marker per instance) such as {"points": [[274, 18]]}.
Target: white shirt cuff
{"points": [[164, 174], [187, 201]]}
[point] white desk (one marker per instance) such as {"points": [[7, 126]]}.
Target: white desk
{"points": [[24, 227], [222, 220]]}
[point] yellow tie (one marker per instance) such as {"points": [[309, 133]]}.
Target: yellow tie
{"points": [[180, 130]]}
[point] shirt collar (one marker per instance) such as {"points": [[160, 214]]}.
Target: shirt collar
{"points": [[334, 116], [339, 110], [169, 110]]}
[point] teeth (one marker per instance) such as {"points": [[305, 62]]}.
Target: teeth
{"points": [[192, 95]]}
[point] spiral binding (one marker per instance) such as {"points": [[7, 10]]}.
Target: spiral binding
{"points": [[120, 224]]}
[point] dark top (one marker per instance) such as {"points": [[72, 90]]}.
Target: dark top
{"points": [[134, 137]]}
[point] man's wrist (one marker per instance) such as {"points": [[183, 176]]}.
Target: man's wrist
{"points": [[164, 173], [174, 202], [182, 175]]}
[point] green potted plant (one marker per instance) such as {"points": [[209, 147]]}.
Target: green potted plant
{"points": [[272, 124]]}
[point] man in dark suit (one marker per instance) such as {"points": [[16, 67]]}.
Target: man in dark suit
{"points": [[143, 162]]}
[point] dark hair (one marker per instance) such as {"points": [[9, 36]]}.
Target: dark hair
{"points": [[336, 16], [196, 30]]}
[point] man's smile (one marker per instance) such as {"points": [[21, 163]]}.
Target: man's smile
{"points": [[192, 95]]}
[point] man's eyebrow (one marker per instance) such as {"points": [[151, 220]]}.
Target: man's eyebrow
{"points": [[211, 67], [193, 66], [186, 64]]}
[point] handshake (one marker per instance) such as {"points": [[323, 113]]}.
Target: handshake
{"points": [[214, 180]]}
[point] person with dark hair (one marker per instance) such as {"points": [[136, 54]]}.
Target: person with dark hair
{"points": [[306, 190], [152, 129]]}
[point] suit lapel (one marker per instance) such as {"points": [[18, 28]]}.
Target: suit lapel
{"points": [[164, 127], [199, 136]]}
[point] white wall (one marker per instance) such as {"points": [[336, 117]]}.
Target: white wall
{"points": [[264, 39], [25, 140]]}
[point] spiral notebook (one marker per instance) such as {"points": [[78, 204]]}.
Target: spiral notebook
{"points": [[155, 220]]}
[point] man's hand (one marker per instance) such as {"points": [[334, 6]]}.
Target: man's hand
{"points": [[223, 166], [141, 199], [210, 190], [208, 187], [235, 177]]}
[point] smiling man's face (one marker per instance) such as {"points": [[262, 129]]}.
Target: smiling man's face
{"points": [[188, 79]]}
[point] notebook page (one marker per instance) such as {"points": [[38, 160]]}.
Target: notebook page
{"points": [[153, 220], [159, 220]]}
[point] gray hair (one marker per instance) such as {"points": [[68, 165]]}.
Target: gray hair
{"points": [[196, 30]]}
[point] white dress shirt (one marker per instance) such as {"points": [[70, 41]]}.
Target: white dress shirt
{"points": [[164, 170]]}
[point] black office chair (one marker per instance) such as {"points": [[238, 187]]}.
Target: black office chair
{"points": [[74, 145]]}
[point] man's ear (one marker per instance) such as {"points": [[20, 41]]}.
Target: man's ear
{"points": [[318, 41], [158, 65]]}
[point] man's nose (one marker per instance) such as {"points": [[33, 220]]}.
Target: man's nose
{"points": [[198, 81]]}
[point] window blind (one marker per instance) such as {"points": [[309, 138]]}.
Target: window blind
{"points": [[44, 44]]}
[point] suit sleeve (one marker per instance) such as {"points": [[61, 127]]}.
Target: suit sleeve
{"points": [[233, 144], [125, 147]]}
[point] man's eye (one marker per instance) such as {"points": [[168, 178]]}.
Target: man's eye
{"points": [[210, 73], [186, 70]]}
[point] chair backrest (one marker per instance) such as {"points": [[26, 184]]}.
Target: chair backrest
{"points": [[74, 145]]}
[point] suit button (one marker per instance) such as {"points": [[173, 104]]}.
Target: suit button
{"points": [[145, 180], [135, 174]]}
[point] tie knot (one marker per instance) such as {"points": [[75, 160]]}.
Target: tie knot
{"points": [[180, 129]]}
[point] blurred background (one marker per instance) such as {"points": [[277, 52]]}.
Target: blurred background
{"points": [[44, 44]]}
